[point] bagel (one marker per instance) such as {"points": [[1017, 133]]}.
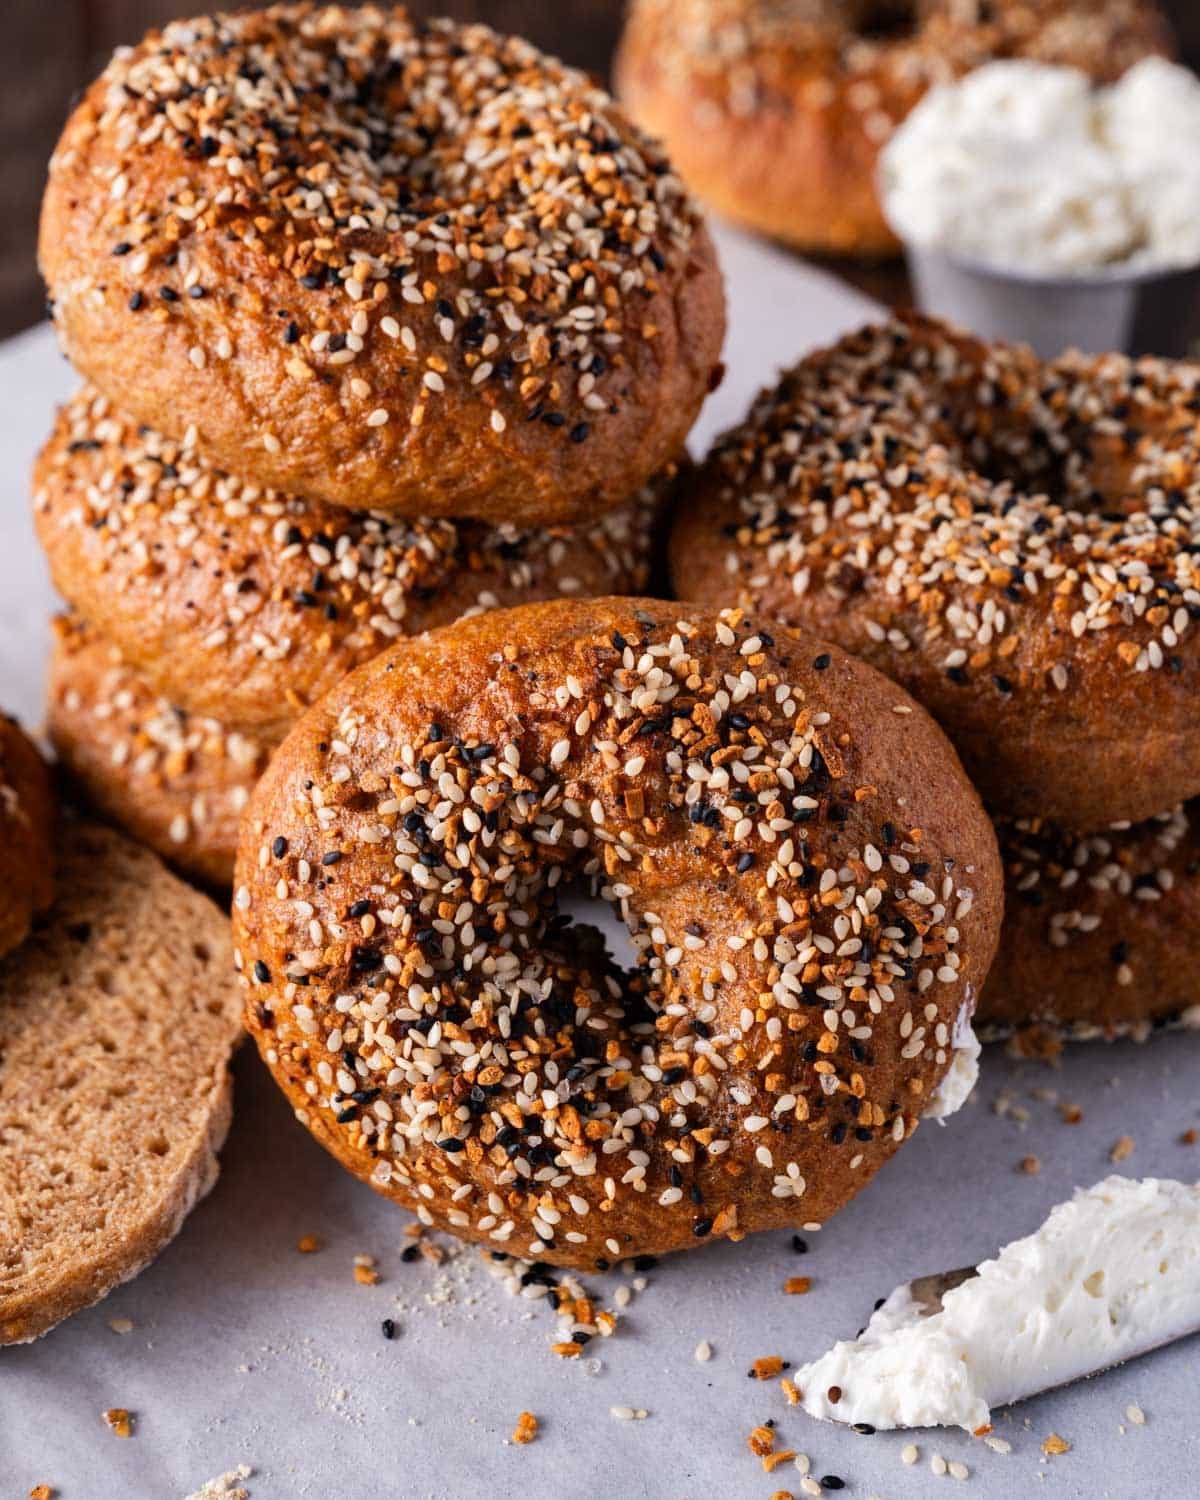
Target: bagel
{"points": [[27, 835], [414, 268], [775, 111], [809, 879], [1097, 927], [1017, 543], [244, 605], [175, 781]]}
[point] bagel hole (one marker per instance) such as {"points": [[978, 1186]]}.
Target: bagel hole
{"points": [[583, 909]]}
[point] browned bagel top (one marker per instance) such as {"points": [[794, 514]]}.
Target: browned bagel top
{"points": [[245, 604], [872, 54], [1018, 542], [809, 880], [414, 267]]}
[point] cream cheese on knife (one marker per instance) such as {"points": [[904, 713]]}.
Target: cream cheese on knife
{"points": [[1112, 1273]]}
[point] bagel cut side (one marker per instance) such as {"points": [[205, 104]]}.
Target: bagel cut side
{"points": [[810, 882], [117, 1023]]}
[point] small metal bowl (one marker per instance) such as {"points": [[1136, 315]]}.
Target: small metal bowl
{"points": [[1117, 309]]}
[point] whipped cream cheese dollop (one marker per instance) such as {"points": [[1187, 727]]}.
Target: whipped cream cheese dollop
{"points": [[1112, 1273], [1030, 167]]}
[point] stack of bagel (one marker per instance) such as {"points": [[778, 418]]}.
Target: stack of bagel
{"points": [[1017, 543], [411, 326], [388, 325]]}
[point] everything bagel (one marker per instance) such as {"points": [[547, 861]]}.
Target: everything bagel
{"points": [[810, 882], [775, 111], [176, 781], [244, 605], [1097, 927], [1017, 543], [413, 268]]}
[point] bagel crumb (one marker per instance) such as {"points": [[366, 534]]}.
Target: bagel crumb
{"points": [[526, 1429], [771, 1461], [120, 1421], [761, 1441]]}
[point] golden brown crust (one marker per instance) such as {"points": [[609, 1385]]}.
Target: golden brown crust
{"points": [[775, 821], [1016, 543], [176, 781], [28, 814], [776, 113], [1098, 928], [513, 315], [245, 605]]}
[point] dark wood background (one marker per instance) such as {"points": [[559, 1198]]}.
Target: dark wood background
{"points": [[54, 46]]}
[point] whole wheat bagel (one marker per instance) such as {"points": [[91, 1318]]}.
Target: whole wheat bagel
{"points": [[27, 834], [775, 111], [1018, 543], [1097, 928], [245, 605], [176, 781], [810, 881], [415, 268]]}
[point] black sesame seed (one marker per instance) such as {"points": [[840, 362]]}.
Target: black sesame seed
{"points": [[168, 294], [279, 847], [799, 1244], [822, 661], [136, 301], [409, 1254], [702, 1227], [261, 972], [579, 432], [389, 1328], [332, 857]]}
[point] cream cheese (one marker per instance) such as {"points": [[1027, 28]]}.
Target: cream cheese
{"points": [[1112, 1273], [963, 1073], [1029, 167]]}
